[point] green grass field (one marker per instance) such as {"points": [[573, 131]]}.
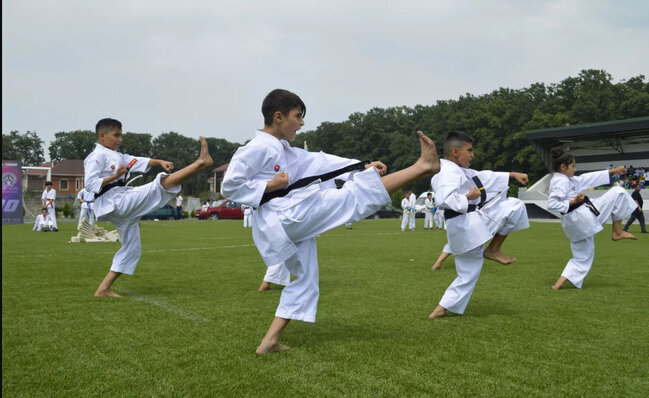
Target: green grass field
{"points": [[192, 318]]}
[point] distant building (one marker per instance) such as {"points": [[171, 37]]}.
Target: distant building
{"points": [[67, 177], [217, 178]]}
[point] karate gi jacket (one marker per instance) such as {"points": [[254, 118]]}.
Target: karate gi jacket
{"points": [[86, 198], [429, 206], [104, 162], [41, 220], [580, 223], [405, 204], [451, 184], [51, 195], [250, 170]]}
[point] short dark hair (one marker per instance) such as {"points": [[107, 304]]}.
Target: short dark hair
{"points": [[559, 157], [456, 139], [280, 100], [44, 208], [48, 183], [107, 124]]}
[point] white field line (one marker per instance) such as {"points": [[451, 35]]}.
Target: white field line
{"points": [[192, 316], [150, 251]]}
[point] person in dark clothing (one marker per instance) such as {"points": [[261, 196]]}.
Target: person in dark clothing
{"points": [[637, 214]]}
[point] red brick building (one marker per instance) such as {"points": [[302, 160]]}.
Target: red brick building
{"points": [[67, 177]]}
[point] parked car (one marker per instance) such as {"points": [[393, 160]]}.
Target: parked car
{"points": [[166, 212], [387, 211], [223, 209]]}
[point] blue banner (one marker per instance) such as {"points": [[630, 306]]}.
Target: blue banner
{"points": [[12, 192]]}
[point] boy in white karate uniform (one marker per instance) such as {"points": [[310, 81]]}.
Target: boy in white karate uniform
{"points": [[106, 172], [412, 200], [429, 206], [287, 219], [471, 221], [438, 217], [48, 200], [43, 222], [87, 200], [583, 218], [408, 212]]}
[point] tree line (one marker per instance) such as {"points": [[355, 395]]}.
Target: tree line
{"points": [[496, 120]]}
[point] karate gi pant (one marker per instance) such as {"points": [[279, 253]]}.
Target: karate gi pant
{"points": [[46, 226], [509, 216], [411, 222], [325, 210], [89, 214], [278, 274], [130, 205], [616, 204], [247, 220], [428, 221], [439, 220], [52, 213], [407, 220]]}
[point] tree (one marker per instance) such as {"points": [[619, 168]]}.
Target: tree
{"points": [[72, 145], [136, 144], [28, 148]]}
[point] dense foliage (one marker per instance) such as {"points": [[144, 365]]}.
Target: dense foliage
{"points": [[497, 121]]}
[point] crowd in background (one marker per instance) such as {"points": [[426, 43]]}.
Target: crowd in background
{"points": [[632, 177]]}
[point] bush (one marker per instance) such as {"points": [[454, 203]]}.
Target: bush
{"points": [[185, 214], [67, 210], [193, 214]]}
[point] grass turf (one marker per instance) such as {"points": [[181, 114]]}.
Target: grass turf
{"points": [[191, 318]]}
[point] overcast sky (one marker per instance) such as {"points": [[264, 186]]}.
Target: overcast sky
{"points": [[203, 67]]}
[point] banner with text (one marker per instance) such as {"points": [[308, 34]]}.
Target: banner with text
{"points": [[12, 192]]}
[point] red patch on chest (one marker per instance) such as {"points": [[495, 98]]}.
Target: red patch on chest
{"points": [[277, 167], [112, 167]]}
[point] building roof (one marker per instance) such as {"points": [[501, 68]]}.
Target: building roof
{"points": [[66, 167], [626, 127], [221, 168]]}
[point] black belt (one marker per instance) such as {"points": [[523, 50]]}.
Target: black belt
{"points": [[308, 180], [110, 186], [448, 213], [588, 204]]}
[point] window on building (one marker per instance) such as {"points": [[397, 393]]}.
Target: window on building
{"points": [[63, 185], [77, 184]]}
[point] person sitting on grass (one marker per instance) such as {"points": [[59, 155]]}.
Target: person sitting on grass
{"points": [[106, 172], [43, 222], [582, 217]]}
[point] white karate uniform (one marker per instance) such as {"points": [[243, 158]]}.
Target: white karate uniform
{"points": [[50, 200], [411, 202], [468, 233], [581, 225], [278, 274], [408, 213], [428, 221], [247, 216], [87, 205], [123, 206], [43, 224], [438, 217], [284, 229]]}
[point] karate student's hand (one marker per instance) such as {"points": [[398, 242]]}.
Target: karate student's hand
{"points": [[280, 181], [520, 177], [577, 199], [474, 193], [166, 166], [380, 167], [121, 170], [619, 170]]}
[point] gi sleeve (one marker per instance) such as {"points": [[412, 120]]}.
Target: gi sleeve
{"points": [[141, 164], [594, 179], [92, 169], [559, 199], [239, 184]]}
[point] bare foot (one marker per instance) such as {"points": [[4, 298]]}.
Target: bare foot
{"points": [[428, 161], [264, 286], [557, 287], [498, 257], [623, 235], [265, 348], [437, 266], [106, 293], [204, 159], [438, 312], [559, 283]]}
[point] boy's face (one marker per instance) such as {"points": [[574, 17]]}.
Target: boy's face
{"points": [[288, 125], [464, 155], [110, 139], [44, 212]]}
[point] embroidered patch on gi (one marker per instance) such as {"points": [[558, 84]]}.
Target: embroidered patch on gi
{"points": [[112, 167], [277, 167]]}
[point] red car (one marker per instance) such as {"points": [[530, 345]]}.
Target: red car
{"points": [[224, 209]]}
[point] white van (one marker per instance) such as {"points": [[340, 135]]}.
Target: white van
{"points": [[420, 207]]}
